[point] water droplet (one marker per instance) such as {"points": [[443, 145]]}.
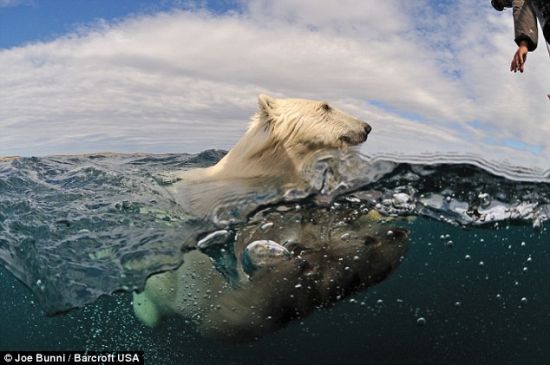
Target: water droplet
{"points": [[421, 321], [481, 263], [523, 301], [467, 257]]}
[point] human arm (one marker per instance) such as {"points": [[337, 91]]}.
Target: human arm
{"points": [[525, 24]]}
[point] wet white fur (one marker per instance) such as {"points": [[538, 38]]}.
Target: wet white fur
{"points": [[281, 136]]}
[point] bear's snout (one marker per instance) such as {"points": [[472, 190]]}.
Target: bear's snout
{"points": [[358, 135]]}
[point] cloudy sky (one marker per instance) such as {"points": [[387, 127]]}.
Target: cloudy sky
{"points": [[181, 76]]}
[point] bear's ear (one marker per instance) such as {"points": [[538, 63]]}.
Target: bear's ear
{"points": [[266, 104]]}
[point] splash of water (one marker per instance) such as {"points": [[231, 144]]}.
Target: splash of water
{"points": [[459, 189]]}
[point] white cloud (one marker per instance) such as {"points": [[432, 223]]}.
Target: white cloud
{"points": [[187, 80], [6, 3]]}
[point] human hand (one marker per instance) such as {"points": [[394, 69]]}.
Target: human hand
{"points": [[519, 59]]}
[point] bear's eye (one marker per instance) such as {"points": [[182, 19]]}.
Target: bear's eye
{"points": [[325, 107]]}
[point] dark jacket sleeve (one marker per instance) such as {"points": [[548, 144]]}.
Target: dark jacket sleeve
{"points": [[525, 23]]}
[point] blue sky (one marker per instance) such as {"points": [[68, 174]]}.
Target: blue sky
{"points": [[23, 21], [182, 76]]}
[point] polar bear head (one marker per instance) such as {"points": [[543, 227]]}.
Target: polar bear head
{"points": [[310, 123], [284, 135]]}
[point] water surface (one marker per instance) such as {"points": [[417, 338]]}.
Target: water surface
{"points": [[473, 287]]}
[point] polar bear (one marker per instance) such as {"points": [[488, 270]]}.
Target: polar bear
{"points": [[299, 261], [284, 136], [281, 136]]}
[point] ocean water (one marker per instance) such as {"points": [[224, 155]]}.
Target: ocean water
{"points": [[77, 234]]}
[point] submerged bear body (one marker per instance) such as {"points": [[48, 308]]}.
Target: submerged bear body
{"points": [[317, 257]]}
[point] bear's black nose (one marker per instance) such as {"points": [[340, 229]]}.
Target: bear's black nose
{"points": [[367, 128]]}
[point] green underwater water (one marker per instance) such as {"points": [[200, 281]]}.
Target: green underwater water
{"points": [[482, 299]]}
